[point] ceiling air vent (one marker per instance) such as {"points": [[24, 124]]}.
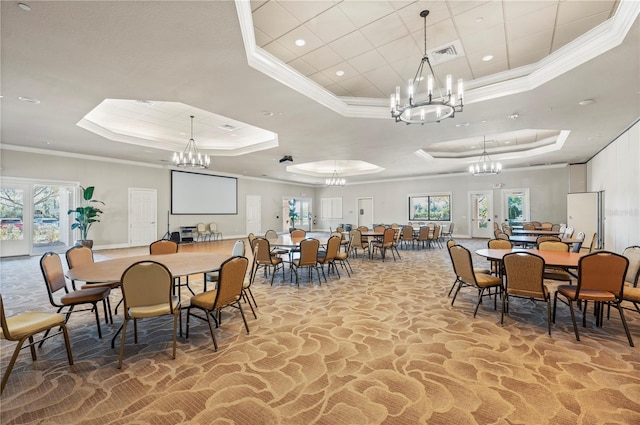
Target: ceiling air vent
{"points": [[227, 127], [446, 52]]}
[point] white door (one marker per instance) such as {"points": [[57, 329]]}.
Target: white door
{"points": [[143, 216], [365, 212], [481, 205], [254, 214], [584, 214], [15, 219]]}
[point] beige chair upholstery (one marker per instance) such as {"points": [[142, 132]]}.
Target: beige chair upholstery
{"points": [[343, 241], [467, 277], [528, 226], [536, 224], [546, 238], [308, 259], [496, 266], [214, 232], [524, 272], [23, 327], [423, 235], [228, 294], [631, 291], [248, 282], [448, 233], [601, 278], [406, 236], [434, 237], [147, 292], [385, 244], [298, 233], [328, 256], [238, 250], [555, 273], [53, 274], [358, 243], [265, 259], [343, 259], [546, 225], [203, 233], [163, 246], [555, 228]]}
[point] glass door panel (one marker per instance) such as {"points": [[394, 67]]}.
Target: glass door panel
{"points": [[14, 220], [516, 206], [481, 214]]}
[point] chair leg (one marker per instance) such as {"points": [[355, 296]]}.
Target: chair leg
{"points": [[548, 313], [480, 292], [175, 329], [573, 319], [213, 337], [246, 297], [459, 282], [122, 339], [9, 368], [624, 323], [95, 309], [505, 300], [244, 319]]}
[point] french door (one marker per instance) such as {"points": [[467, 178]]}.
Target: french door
{"points": [[481, 204]]}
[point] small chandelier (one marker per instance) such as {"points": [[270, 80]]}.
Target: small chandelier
{"points": [[191, 157], [335, 179], [485, 166], [426, 108]]}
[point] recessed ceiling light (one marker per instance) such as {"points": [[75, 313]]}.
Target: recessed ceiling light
{"points": [[506, 143], [548, 109], [340, 73], [28, 99], [586, 102], [300, 42], [462, 124], [513, 116], [480, 19], [487, 58], [472, 147], [267, 113], [24, 6]]}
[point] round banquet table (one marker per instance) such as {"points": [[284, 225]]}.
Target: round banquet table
{"points": [[179, 264], [551, 258]]}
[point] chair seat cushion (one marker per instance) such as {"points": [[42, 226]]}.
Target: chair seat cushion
{"points": [[569, 291], [341, 256], [485, 271], [557, 274], [85, 296], [631, 294], [154, 310], [31, 323], [486, 281], [110, 285]]}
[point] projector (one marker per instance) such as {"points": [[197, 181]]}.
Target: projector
{"points": [[286, 159]]}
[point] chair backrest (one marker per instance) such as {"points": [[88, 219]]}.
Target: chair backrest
{"points": [[525, 273], [592, 245], [146, 283], [163, 247], [495, 226], [333, 245], [387, 237], [450, 243], [309, 252], [201, 227], [499, 244], [436, 232], [298, 233], [340, 229], [424, 232], [250, 238], [238, 248], [213, 227], [602, 271], [379, 228], [6, 332], [633, 272], [78, 255], [568, 232], [502, 236], [231, 280], [53, 274], [356, 238], [496, 232], [395, 226], [536, 224], [546, 225], [451, 226], [263, 248], [555, 227], [462, 264], [337, 234], [407, 233], [363, 229], [553, 246], [528, 226], [271, 234], [547, 238]]}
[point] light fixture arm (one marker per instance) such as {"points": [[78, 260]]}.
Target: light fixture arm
{"points": [[191, 157]]}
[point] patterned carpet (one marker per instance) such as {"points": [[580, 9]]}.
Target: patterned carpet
{"points": [[382, 347]]}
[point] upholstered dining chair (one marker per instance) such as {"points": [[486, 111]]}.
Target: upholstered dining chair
{"points": [[308, 259], [24, 326], [467, 277], [79, 255], [147, 292], [298, 233], [546, 238], [358, 243], [248, 282], [448, 231], [423, 235], [264, 259], [385, 244], [203, 232], [546, 225], [328, 256], [497, 268], [631, 290], [228, 294], [524, 272], [344, 242], [601, 278], [53, 274], [163, 246], [450, 243], [238, 250], [528, 226], [273, 235], [406, 236], [214, 232], [343, 259], [555, 273]]}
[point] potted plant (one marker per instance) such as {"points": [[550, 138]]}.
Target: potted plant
{"points": [[293, 214], [85, 216]]}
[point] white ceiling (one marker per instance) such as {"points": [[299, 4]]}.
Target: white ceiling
{"points": [[71, 56]]}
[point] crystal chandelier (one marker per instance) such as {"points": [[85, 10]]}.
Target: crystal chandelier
{"points": [[335, 179], [191, 157], [485, 166], [421, 106]]}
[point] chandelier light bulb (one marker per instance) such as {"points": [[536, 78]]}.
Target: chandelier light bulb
{"points": [[191, 157]]}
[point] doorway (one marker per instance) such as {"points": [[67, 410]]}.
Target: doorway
{"points": [[302, 207], [516, 206], [254, 214], [481, 205], [143, 217]]}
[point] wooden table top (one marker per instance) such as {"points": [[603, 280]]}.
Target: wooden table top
{"points": [[532, 239], [286, 241], [551, 258], [180, 264], [536, 232]]}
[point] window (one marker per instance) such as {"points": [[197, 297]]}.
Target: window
{"points": [[435, 207], [516, 205]]}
